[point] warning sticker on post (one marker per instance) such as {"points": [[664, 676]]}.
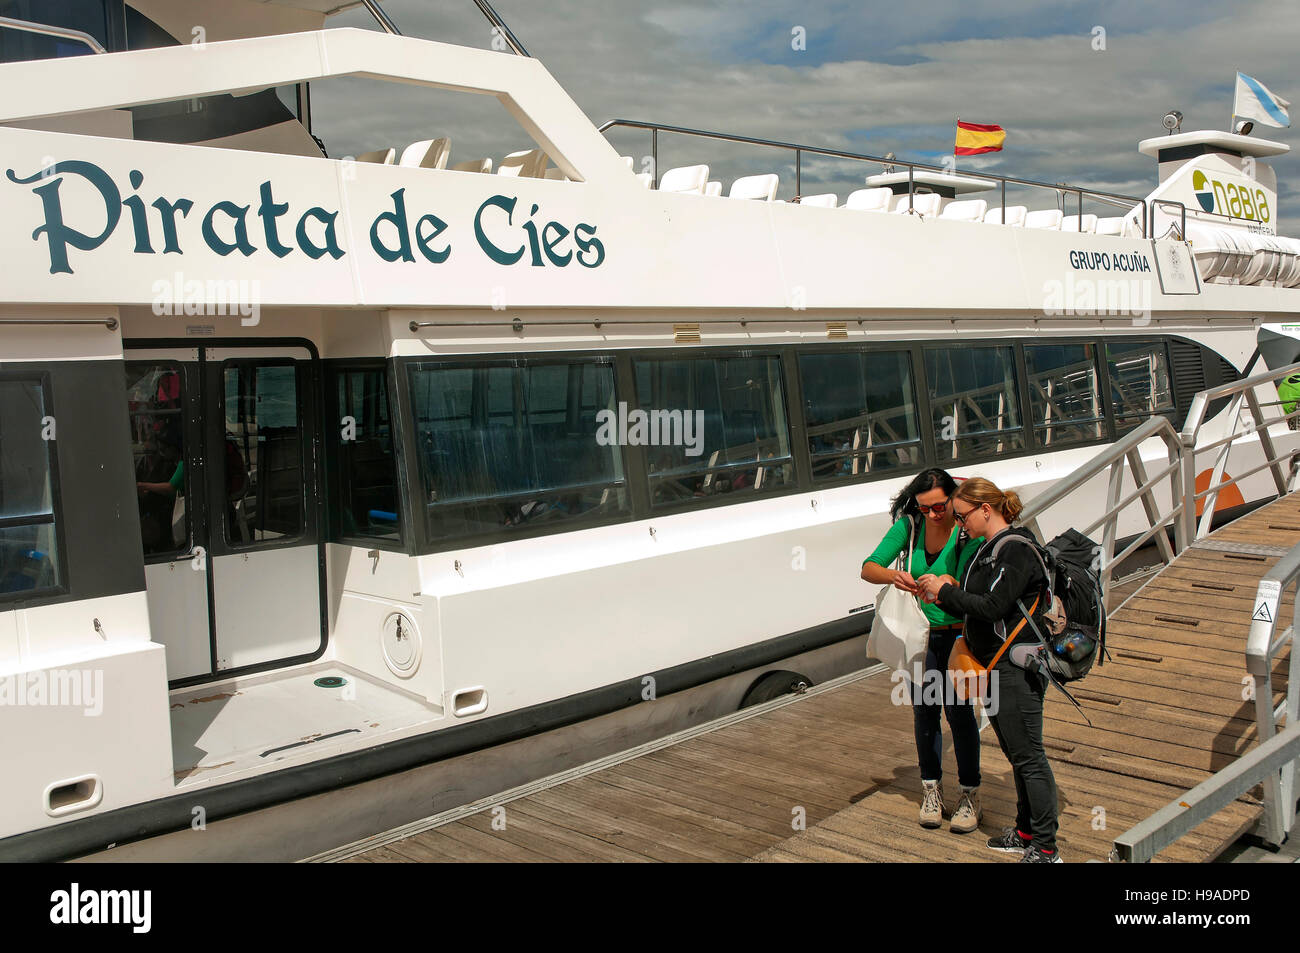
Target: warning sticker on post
{"points": [[1266, 606]]}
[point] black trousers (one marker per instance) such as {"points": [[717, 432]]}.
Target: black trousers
{"points": [[1019, 727], [961, 716]]}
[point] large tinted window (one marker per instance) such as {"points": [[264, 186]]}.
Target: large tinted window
{"points": [[155, 397], [1139, 382], [28, 544], [732, 436], [859, 412], [503, 446], [366, 472], [974, 401], [102, 19], [1064, 399], [262, 452]]}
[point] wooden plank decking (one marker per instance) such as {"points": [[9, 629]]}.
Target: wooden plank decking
{"points": [[1168, 711]]}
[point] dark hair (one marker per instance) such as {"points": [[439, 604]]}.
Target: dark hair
{"points": [[934, 478]]}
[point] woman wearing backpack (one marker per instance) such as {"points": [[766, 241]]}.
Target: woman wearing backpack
{"points": [[923, 512], [996, 578]]}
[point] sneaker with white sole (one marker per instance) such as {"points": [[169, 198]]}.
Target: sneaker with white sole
{"points": [[932, 804], [966, 816], [1035, 856], [1010, 841]]}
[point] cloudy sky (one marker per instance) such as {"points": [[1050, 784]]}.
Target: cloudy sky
{"points": [[1076, 83]]}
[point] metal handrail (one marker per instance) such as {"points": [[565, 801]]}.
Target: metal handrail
{"points": [[1112, 198], [1274, 760], [46, 29], [1182, 224], [504, 31]]}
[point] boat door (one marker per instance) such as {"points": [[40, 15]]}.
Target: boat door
{"points": [[226, 445]]}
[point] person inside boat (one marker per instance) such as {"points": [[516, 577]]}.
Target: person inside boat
{"points": [[997, 578], [923, 512]]}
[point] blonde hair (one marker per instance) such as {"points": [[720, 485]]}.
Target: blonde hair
{"points": [[980, 491]]}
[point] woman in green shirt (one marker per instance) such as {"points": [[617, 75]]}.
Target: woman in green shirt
{"points": [[923, 511]]}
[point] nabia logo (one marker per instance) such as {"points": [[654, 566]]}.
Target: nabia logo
{"points": [[1230, 198]]}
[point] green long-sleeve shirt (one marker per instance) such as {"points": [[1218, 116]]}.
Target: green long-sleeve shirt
{"points": [[948, 561]]}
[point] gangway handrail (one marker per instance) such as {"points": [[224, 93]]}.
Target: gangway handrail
{"points": [[1111, 198], [48, 29], [1274, 760]]}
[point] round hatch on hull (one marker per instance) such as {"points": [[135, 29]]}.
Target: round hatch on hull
{"points": [[401, 644]]}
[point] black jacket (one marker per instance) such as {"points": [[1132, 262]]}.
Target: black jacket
{"points": [[988, 594]]}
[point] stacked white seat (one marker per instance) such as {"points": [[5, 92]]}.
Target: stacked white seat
{"points": [[1044, 218], [761, 188], [713, 188], [1112, 225], [824, 200], [691, 179], [1015, 215], [627, 160], [1071, 223], [966, 210], [869, 200], [426, 154], [926, 204], [381, 156], [525, 164], [646, 179], [473, 165]]}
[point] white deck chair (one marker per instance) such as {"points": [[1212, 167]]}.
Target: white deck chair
{"points": [[759, 187], [869, 200], [526, 164], [473, 165], [824, 200], [1015, 215], [1071, 223], [1044, 218], [1111, 226], [627, 160], [426, 154], [381, 156], [686, 178], [713, 188], [926, 204], [646, 179], [967, 210]]}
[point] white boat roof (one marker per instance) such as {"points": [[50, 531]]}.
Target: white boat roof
{"points": [[1242, 145]]}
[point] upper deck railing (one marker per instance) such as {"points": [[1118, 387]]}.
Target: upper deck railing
{"points": [[1127, 202], [58, 32]]}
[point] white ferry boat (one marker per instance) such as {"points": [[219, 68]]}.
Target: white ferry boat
{"points": [[324, 475]]}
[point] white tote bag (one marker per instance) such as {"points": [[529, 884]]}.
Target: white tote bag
{"points": [[900, 630]]}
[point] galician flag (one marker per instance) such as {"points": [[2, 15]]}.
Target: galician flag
{"points": [[975, 138], [1254, 101]]}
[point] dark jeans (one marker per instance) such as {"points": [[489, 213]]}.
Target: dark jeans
{"points": [[1019, 727], [961, 717]]}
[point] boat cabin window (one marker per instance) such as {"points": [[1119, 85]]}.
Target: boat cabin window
{"points": [[1064, 398], [859, 412], [713, 425], [974, 402], [507, 445], [29, 558], [366, 470], [262, 452], [1139, 382], [155, 394]]}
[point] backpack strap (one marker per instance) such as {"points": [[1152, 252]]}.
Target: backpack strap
{"points": [[1006, 643], [1043, 666], [1033, 548]]}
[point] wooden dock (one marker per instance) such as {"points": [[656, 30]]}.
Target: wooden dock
{"points": [[832, 775]]}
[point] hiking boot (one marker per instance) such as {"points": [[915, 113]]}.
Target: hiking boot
{"points": [[1035, 856], [932, 804], [966, 816], [1010, 841]]}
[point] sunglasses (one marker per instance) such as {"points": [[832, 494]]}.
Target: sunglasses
{"points": [[936, 508], [961, 517]]}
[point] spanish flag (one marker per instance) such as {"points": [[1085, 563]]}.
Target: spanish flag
{"points": [[974, 139]]}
